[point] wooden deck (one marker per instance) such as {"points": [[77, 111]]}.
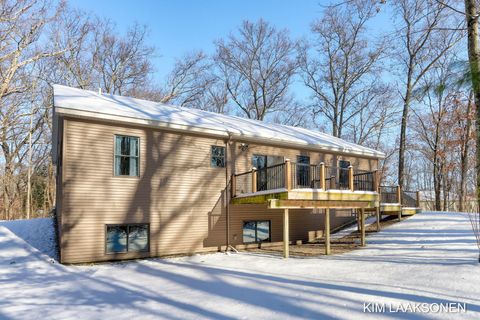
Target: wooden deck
{"points": [[303, 186], [408, 211], [311, 198]]}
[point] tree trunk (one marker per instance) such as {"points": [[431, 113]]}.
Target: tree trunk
{"points": [[29, 171], [464, 159], [437, 185], [474, 59], [437, 169], [403, 129]]}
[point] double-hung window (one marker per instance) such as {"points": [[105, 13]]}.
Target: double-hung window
{"points": [[126, 156], [218, 157]]}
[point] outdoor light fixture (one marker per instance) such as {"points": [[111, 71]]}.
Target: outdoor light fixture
{"points": [[243, 146]]}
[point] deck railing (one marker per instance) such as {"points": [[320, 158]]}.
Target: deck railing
{"points": [[242, 183], [394, 194], [409, 199], [389, 194], [305, 176], [292, 175], [364, 180], [272, 177], [337, 178]]}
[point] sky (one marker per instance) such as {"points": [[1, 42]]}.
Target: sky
{"points": [[177, 27], [181, 26]]}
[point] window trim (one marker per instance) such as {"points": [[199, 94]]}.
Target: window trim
{"points": [[115, 156], [224, 156], [128, 225], [256, 227]]}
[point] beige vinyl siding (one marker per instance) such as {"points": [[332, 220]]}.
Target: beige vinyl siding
{"points": [[178, 192], [305, 224]]}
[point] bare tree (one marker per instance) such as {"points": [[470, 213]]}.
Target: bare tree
{"points": [[430, 123], [192, 83], [464, 116], [341, 68], [257, 65], [122, 62], [101, 57], [21, 25], [471, 16], [426, 32]]}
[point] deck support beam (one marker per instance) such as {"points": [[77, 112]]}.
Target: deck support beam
{"points": [[327, 231], [316, 204], [286, 235], [377, 212], [362, 222]]}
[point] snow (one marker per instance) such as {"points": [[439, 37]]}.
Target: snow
{"points": [[104, 106], [429, 258]]}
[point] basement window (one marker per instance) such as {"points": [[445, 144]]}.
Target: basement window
{"points": [[218, 157], [126, 156], [127, 238], [256, 231]]}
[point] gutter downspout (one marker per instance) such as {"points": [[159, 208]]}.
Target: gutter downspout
{"points": [[227, 193]]}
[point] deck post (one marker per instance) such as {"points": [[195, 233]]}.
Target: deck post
{"points": [[418, 199], [399, 199], [376, 185], [350, 178], [254, 180], [288, 175], [233, 185], [375, 181], [358, 219], [286, 236], [327, 231], [362, 219], [322, 176], [399, 194]]}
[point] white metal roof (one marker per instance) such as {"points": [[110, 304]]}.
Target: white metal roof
{"points": [[92, 105]]}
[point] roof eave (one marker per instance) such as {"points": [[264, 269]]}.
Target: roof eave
{"points": [[82, 114]]}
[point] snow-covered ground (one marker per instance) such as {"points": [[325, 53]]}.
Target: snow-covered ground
{"points": [[430, 258]]}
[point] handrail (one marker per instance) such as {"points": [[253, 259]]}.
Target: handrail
{"points": [[394, 194], [292, 175]]}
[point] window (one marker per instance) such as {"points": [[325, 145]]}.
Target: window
{"points": [[256, 231], [126, 156], [218, 157], [343, 174], [303, 171], [127, 238]]}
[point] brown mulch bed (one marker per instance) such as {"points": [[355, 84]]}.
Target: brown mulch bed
{"points": [[337, 246]]}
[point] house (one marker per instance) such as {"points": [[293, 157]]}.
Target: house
{"points": [[140, 179]]}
